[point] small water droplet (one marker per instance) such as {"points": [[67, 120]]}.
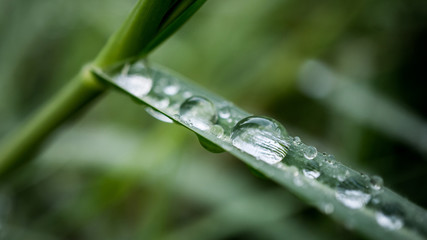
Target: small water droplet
{"points": [[376, 183], [187, 94], [199, 112], [138, 85], [171, 89], [262, 138], [297, 141], [342, 177], [281, 166], [313, 174], [390, 222], [217, 130], [158, 115], [224, 113], [162, 103], [297, 179], [327, 208], [353, 193], [310, 152]]}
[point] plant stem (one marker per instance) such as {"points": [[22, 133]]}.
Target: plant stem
{"points": [[18, 148]]}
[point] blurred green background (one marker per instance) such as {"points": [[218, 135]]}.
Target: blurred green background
{"points": [[345, 76]]}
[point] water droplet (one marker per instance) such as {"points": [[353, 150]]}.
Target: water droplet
{"points": [[158, 115], [376, 183], [199, 112], [138, 85], [313, 174], [353, 193], [217, 130], [162, 103], [342, 177], [224, 113], [390, 222], [310, 152], [297, 141], [297, 179], [187, 94], [229, 114], [171, 89], [262, 138], [327, 208], [208, 145]]}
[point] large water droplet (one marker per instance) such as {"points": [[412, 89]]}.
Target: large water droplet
{"points": [[310, 152], [158, 115], [138, 85], [199, 112], [262, 138], [353, 193]]}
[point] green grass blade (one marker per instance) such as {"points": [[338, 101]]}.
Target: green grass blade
{"points": [[352, 198], [136, 32], [175, 20]]}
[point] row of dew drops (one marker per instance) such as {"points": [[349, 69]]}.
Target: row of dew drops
{"points": [[261, 137]]}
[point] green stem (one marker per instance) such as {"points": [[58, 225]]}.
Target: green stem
{"points": [[18, 148]]}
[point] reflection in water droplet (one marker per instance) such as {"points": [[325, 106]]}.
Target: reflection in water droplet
{"points": [[390, 222], [262, 138], [158, 115], [137, 85], [313, 174], [199, 112], [310, 152], [353, 193], [376, 183]]}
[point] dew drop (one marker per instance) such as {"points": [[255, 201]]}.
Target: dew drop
{"points": [[199, 112], [158, 115], [217, 130], [224, 113], [310, 152], [327, 208], [313, 174], [139, 86], [187, 94], [262, 138], [297, 141], [297, 179], [353, 193], [162, 103], [376, 183], [342, 177], [390, 222], [171, 89]]}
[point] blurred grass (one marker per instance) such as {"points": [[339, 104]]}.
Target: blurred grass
{"points": [[118, 174]]}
